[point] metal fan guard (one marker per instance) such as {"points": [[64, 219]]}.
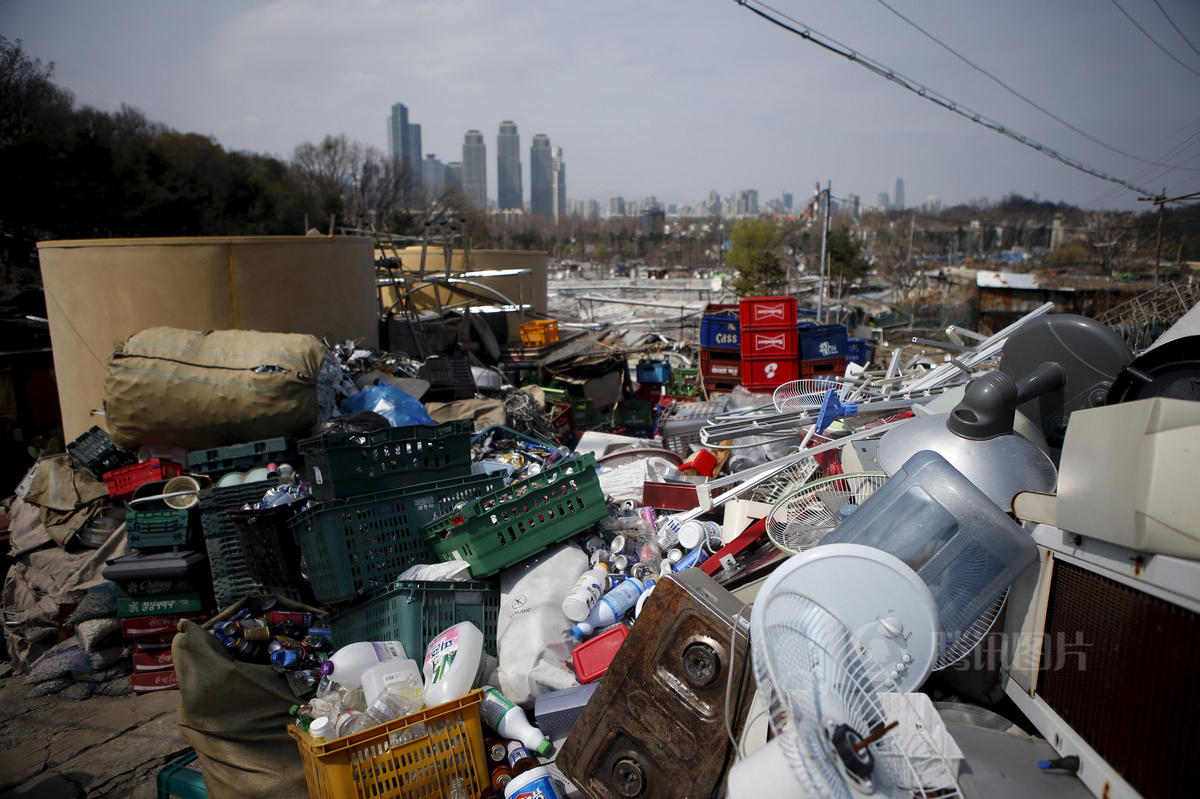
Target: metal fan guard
{"points": [[796, 395], [783, 526], [813, 675], [966, 643]]}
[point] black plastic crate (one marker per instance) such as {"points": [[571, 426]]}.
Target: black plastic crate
{"points": [[241, 457], [95, 453], [449, 379], [158, 528], [270, 550], [215, 504], [340, 465]]}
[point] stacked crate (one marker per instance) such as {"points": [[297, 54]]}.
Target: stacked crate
{"points": [[770, 342], [720, 353], [823, 350]]}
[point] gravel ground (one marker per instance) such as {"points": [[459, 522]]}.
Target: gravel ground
{"points": [[55, 748]]}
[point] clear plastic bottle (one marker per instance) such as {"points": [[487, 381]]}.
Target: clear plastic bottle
{"points": [[588, 589], [612, 607], [506, 718], [348, 663], [404, 672]]}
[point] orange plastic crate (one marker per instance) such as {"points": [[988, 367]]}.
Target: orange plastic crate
{"points": [[539, 332], [380, 763]]}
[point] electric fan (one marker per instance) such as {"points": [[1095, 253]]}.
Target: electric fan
{"points": [[825, 696], [807, 393], [802, 517]]}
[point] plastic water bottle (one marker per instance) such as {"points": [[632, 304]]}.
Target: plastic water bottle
{"points": [[404, 675], [611, 607], [348, 663], [506, 718], [452, 663], [587, 591]]}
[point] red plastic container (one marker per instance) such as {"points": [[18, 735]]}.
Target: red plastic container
{"points": [[720, 365], [773, 341], [143, 626], [822, 367], [146, 681], [153, 661], [124, 481], [766, 374], [593, 657], [766, 311]]}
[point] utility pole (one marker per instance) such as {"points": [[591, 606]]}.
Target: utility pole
{"points": [[824, 237], [1161, 201]]}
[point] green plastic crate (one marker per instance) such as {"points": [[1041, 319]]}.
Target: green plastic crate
{"points": [[636, 412], [343, 465], [95, 453], [158, 605], [158, 528], [506, 526], [414, 613], [685, 382], [351, 546], [182, 779], [240, 457]]}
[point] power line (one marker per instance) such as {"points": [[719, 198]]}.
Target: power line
{"points": [[1020, 96], [832, 45], [1176, 27], [1154, 41]]}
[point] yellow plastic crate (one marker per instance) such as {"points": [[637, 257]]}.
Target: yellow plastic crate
{"points": [[539, 332], [380, 763]]}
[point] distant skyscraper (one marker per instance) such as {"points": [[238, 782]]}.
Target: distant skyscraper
{"points": [[508, 167], [541, 171], [398, 137], [558, 183], [788, 201], [616, 206], [474, 166], [884, 203], [898, 195], [414, 146], [433, 175], [454, 175]]}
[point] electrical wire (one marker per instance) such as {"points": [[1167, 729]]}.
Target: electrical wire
{"points": [[1153, 40], [1022, 97], [1176, 27], [809, 34]]}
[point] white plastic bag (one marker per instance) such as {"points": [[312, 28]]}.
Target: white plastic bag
{"points": [[533, 636]]}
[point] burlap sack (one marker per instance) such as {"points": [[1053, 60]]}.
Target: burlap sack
{"points": [[235, 716], [207, 389]]}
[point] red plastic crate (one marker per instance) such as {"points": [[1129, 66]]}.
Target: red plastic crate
{"points": [[764, 374], [720, 365], [153, 661], [773, 341], [759, 311], [822, 367], [146, 681], [145, 626], [593, 657], [562, 421], [124, 481], [720, 386]]}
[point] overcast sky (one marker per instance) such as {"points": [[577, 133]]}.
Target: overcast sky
{"points": [[671, 98]]}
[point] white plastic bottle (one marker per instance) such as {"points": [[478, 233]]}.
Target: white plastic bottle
{"points": [[404, 673], [348, 663], [506, 718], [452, 663], [612, 607], [582, 598]]}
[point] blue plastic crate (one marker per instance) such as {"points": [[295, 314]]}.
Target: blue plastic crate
{"points": [[823, 341], [860, 351], [654, 372], [720, 331]]}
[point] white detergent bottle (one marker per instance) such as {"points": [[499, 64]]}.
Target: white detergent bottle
{"points": [[452, 663], [582, 598], [506, 718], [348, 663], [611, 607], [405, 673]]}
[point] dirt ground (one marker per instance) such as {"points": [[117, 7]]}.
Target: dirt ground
{"points": [[55, 748]]}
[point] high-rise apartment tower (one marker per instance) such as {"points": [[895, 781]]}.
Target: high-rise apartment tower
{"points": [[558, 182], [508, 167], [541, 192], [474, 169]]}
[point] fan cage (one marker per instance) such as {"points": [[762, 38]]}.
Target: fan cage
{"points": [[965, 644], [805, 515], [815, 675]]}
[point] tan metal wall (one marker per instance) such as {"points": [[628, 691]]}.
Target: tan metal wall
{"points": [[99, 292]]}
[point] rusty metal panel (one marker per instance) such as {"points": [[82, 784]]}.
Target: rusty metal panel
{"points": [[655, 728]]}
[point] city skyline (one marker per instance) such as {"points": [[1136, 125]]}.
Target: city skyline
{"points": [[645, 108]]}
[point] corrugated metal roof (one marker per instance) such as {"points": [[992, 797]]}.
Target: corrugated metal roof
{"points": [[1005, 280]]}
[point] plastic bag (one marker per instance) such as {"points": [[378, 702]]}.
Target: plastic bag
{"points": [[532, 634], [399, 408], [361, 422]]}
